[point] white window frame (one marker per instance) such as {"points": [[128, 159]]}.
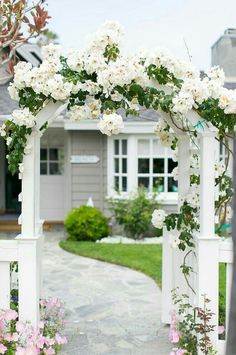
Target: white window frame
{"points": [[132, 167], [48, 161]]}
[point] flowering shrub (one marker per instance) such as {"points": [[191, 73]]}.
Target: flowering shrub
{"points": [[99, 80], [18, 338], [134, 214], [190, 327]]}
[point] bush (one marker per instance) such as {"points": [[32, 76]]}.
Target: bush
{"points": [[135, 214], [86, 224]]}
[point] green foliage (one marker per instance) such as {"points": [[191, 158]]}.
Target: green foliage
{"points": [[16, 148], [86, 223], [193, 325], [162, 75], [134, 214]]}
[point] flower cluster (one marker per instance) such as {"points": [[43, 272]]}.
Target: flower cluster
{"points": [[158, 218], [111, 124], [190, 327], [21, 338], [99, 80]]}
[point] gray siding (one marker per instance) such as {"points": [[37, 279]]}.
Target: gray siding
{"points": [[224, 54], [89, 180]]}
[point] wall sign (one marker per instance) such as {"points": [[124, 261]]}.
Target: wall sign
{"points": [[84, 159]]}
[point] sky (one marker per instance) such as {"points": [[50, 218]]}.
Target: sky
{"points": [[182, 26]]}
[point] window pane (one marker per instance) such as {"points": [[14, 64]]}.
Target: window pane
{"points": [[143, 147], [116, 165], [158, 166], [43, 168], [124, 183], [124, 146], [124, 165], [53, 154], [144, 182], [143, 166], [55, 169], [116, 183], [116, 146], [43, 154], [172, 185], [158, 148], [158, 184], [171, 165]]}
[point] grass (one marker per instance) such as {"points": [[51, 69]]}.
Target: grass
{"points": [[145, 258]]}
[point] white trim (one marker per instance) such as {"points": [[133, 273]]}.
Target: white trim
{"points": [[166, 198]]}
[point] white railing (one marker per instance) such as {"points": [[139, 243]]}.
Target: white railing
{"points": [[171, 278], [28, 254]]}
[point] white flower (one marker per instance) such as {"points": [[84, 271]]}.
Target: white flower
{"points": [[23, 118], [21, 72], [158, 218], [28, 149], [175, 155], [75, 60], [94, 107], [8, 141], [174, 239], [94, 62], [2, 130], [182, 103], [51, 53], [217, 74], [59, 89], [193, 199], [227, 100], [196, 88], [79, 113], [219, 168], [111, 124], [21, 168], [161, 132], [175, 173], [13, 92], [109, 33]]}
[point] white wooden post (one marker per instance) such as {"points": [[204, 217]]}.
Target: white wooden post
{"points": [[28, 240], [207, 242], [167, 278], [183, 188], [172, 259], [4, 285]]}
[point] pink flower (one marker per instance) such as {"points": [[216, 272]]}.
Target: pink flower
{"points": [[3, 349], [40, 342], [181, 352], [10, 314], [221, 329], [20, 327], [60, 339], [174, 336], [49, 351]]}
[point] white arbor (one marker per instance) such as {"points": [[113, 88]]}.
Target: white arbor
{"points": [[27, 247]]}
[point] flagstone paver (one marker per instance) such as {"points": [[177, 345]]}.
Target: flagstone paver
{"points": [[110, 310]]}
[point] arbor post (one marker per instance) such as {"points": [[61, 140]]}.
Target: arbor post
{"points": [[207, 243]]}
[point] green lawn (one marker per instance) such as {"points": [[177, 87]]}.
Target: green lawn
{"points": [[144, 258]]}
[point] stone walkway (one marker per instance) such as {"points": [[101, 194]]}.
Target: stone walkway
{"points": [[111, 310]]}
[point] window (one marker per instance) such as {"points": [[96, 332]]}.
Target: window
{"points": [[155, 166], [51, 161], [120, 162], [135, 160]]}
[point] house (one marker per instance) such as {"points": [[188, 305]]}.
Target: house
{"points": [[79, 162]]}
